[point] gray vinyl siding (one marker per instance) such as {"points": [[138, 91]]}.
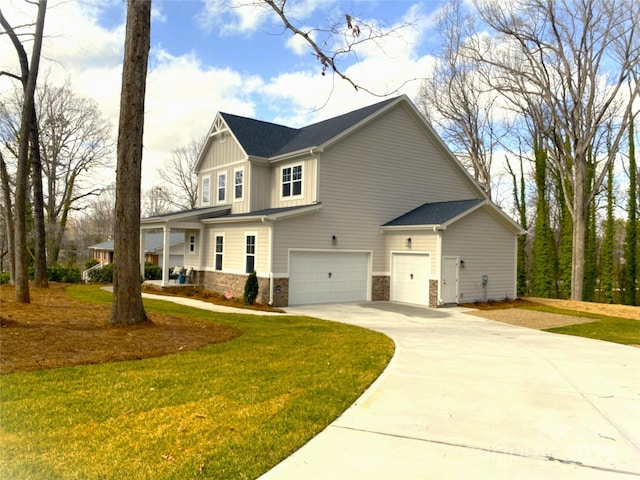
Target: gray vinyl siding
{"points": [[362, 187], [487, 248], [421, 242], [234, 247]]}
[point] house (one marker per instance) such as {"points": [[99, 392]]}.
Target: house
{"points": [[370, 205], [153, 249]]}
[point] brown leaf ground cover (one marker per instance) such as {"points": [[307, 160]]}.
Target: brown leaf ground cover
{"points": [[55, 330]]}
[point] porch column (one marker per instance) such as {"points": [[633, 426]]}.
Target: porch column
{"points": [[166, 244]]}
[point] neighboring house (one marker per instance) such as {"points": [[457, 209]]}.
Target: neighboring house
{"points": [[153, 249], [370, 205]]}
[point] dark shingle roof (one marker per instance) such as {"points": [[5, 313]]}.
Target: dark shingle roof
{"points": [[264, 139], [434, 213], [152, 241]]}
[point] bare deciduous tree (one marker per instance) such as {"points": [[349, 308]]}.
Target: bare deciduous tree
{"points": [[179, 174], [75, 142], [457, 101], [158, 201], [576, 59], [21, 278]]}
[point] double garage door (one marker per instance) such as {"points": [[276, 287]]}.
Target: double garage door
{"points": [[328, 277]]}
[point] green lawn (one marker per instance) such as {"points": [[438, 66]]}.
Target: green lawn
{"points": [[618, 330], [610, 329], [229, 411]]}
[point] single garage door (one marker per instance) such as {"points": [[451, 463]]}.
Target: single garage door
{"points": [[328, 277], [410, 278]]}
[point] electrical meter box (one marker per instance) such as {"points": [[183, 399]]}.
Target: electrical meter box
{"points": [[485, 279]]}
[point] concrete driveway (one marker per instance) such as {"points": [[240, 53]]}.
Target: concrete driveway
{"points": [[471, 398]]}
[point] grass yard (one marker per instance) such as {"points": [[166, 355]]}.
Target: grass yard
{"points": [[619, 330], [230, 410]]}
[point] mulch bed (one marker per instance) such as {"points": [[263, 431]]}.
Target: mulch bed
{"points": [[55, 330]]}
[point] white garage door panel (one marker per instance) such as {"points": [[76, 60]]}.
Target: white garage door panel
{"points": [[327, 277], [410, 278]]}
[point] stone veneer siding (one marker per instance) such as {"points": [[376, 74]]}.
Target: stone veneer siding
{"points": [[433, 293], [221, 282], [380, 288]]}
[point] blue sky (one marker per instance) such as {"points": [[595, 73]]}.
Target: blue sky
{"points": [[214, 55]]}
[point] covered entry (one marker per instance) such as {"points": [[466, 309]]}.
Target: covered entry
{"points": [[328, 277], [410, 278]]}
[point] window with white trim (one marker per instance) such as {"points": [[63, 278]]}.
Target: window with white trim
{"points": [[238, 184], [250, 253], [222, 187], [292, 181], [219, 251], [192, 244], [206, 190]]}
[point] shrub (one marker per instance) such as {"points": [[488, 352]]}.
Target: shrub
{"points": [[58, 273], [152, 272], [102, 275], [251, 289], [4, 277], [90, 263]]}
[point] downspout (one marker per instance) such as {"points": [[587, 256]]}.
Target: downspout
{"points": [[268, 222]]}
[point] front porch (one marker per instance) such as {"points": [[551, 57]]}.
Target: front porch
{"points": [[176, 288]]}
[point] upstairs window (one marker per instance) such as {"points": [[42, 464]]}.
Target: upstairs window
{"points": [[292, 181], [250, 253], [222, 187], [238, 184], [206, 190], [219, 251]]}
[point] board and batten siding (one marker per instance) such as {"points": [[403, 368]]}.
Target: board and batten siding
{"points": [[261, 187], [221, 152], [487, 248], [234, 247], [309, 183]]}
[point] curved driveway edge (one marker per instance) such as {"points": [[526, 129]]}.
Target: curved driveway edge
{"points": [[465, 397]]}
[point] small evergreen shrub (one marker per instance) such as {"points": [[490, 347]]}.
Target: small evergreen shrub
{"points": [[102, 275], [58, 273], [90, 263], [152, 272], [4, 277], [251, 289]]}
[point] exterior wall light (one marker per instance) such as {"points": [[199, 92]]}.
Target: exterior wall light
{"points": [[334, 240], [409, 242]]}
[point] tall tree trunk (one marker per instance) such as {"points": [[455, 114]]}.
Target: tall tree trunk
{"points": [[8, 216], [606, 257], [21, 280], [127, 305], [40, 279], [542, 264], [520, 201], [590, 264], [631, 236]]}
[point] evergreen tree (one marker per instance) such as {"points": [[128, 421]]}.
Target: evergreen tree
{"points": [[521, 207], [542, 261], [606, 256], [631, 238]]}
